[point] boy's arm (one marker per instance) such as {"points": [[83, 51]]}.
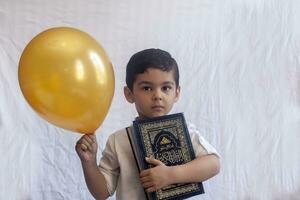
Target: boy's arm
{"points": [[198, 170], [86, 149], [95, 180]]}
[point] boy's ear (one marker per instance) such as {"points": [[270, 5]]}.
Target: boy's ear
{"points": [[128, 95], [177, 93]]}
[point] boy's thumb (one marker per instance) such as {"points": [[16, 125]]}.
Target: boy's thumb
{"points": [[153, 161]]}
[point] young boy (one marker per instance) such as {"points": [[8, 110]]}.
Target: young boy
{"points": [[152, 80]]}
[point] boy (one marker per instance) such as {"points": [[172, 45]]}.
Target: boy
{"points": [[152, 80]]}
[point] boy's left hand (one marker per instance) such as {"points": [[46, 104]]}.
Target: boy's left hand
{"points": [[156, 177]]}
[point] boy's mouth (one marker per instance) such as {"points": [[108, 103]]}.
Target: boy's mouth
{"points": [[157, 107]]}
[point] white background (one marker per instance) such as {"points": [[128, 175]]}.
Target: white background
{"points": [[240, 76]]}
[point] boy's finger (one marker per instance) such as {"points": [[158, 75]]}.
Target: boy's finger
{"points": [[145, 179], [86, 144], [83, 147], [151, 189], [144, 173], [88, 139], [93, 137], [153, 161], [148, 185]]}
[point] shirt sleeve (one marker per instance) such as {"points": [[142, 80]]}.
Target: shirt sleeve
{"points": [[200, 145], [109, 165]]}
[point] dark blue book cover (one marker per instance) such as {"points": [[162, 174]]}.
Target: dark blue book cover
{"points": [[167, 139]]}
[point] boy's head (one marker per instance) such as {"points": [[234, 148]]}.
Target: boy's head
{"points": [[152, 80], [150, 58]]}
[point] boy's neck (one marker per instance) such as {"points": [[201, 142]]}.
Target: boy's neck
{"points": [[144, 117]]}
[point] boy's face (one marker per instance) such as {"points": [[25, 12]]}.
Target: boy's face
{"points": [[154, 93]]}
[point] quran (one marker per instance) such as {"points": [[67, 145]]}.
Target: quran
{"points": [[167, 139]]}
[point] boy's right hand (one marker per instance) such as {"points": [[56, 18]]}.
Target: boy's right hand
{"points": [[86, 148]]}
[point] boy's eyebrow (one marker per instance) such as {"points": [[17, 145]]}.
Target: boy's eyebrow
{"points": [[144, 82], [169, 83], [150, 83]]}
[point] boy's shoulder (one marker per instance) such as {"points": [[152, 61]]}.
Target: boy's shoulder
{"points": [[192, 127], [118, 140], [118, 134]]}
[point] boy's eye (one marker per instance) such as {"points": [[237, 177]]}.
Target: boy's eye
{"points": [[166, 88], [146, 88]]}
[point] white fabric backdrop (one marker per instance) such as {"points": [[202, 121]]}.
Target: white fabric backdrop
{"points": [[240, 78]]}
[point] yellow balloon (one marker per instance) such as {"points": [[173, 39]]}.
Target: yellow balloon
{"points": [[67, 78]]}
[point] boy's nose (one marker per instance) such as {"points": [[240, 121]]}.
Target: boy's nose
{"points": [[157, 95]]}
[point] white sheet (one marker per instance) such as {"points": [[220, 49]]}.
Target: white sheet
{"points": [[240, 77]]}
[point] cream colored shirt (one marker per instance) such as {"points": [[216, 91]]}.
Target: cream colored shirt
{"points": [[119, 167]]}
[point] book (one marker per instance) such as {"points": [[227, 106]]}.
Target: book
{"points": [[167, 139]]}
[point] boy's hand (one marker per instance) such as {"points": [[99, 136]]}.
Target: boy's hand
{"points": [[155, 178], [86, 148]]}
